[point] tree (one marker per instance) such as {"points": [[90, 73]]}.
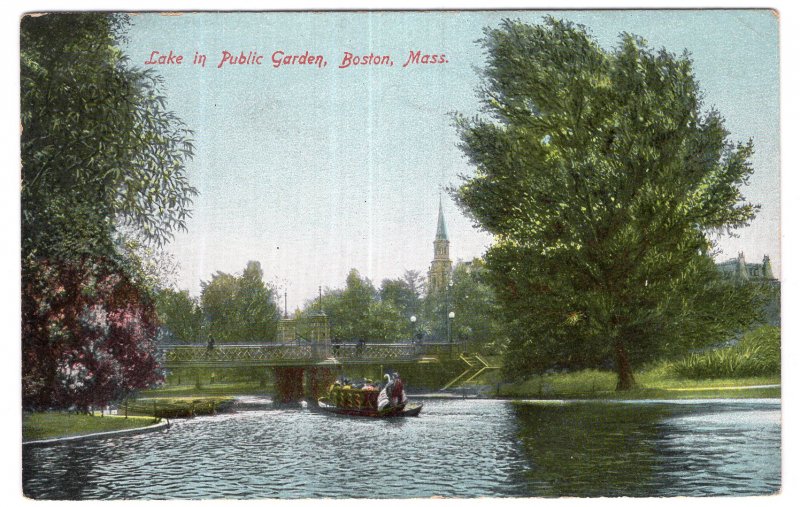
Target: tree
{"points": [[357, 313], [87, 335], [240, 308], [99, 149], [179, 316], [477, 316], [404, 292], [102, 160], [602, 182]]}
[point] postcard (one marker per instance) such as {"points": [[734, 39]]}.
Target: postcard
{"points": [[400, 254]]}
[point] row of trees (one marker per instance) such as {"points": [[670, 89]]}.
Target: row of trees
{"points": [[103, 176], [361, 311], [242, 308]]}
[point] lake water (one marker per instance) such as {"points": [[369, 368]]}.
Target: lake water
{"points": [[456, 448]]}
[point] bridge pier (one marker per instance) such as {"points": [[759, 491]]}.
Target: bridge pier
{"points": [[318, 380], [288, 384], [295, 383]]}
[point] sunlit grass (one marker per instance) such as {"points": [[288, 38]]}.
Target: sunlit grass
{"points": [[184, 406], [45, 425], [650, 384]]}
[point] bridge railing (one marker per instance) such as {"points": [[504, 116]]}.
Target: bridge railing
{"points": [[298, 352], [241, 354]]}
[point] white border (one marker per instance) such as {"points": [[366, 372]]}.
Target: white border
{"points": [[10, 473]]}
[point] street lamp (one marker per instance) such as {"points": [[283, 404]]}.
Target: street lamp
{"points": [[447, 306], [450, 317], [413, 327]]}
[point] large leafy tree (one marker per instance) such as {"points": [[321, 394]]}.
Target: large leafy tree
{"points": [[602, 181], [240, 308], [100, 150], [102, 160]]}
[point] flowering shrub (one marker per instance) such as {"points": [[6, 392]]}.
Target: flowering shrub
{"points": [[88, 334]]}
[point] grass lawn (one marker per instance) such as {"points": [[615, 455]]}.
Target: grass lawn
{"points": [[45, 425], [594, 384], [179, 406]]}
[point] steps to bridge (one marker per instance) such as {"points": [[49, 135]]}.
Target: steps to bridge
{"points": [[476, 366]]}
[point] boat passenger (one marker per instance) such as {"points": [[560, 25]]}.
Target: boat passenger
{"points": [[384, 398], [398, 392]]}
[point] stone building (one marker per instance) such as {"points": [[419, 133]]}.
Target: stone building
{"points": [[739, 269], [441, 266]]}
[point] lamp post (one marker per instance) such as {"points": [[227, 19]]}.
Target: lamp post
{"points": [[450, 317], [413, 328], [447, 307]]}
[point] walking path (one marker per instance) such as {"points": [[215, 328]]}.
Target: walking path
{"points": [[721, 388], [105, 434]]}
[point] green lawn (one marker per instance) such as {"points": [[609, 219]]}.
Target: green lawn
{"points": [[179, 406], [594, 384], [45, 425]]}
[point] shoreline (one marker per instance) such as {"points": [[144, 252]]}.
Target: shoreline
{"points": [[98, 435]]}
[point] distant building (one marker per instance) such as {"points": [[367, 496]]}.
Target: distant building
{"points": [[739, 269], [441, 266]]}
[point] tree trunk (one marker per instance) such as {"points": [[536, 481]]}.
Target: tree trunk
{"points": [[625, 379]]}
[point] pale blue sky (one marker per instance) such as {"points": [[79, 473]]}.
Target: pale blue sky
{"points": [[315, 171]]}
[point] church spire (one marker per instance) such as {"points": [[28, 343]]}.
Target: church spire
{"points": [[439, 274], [441, 228]]}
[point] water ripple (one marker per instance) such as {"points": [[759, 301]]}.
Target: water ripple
{"points": [[456, 448]]}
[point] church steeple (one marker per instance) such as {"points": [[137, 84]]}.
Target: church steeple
{"points": [[441, 228], [439, 274]]}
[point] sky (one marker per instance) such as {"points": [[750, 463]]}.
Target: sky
{"points": [[314, 171]]}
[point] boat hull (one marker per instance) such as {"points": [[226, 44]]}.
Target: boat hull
{"points": [[408, 410]]}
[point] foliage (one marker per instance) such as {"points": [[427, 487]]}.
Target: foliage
{"points": [[477, 317], [102, 161], [240, 308], [660, 384], [357, 313], [179, 316], [149, 267], [601, 181], [99, 149], [173, 407], [757, 353], [404, 293], [88, 336]]}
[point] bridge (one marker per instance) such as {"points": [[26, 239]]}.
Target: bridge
{"points": [[302, 353], [305, 369]]}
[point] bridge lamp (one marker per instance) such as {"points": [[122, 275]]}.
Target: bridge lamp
{"points": [[450, 317]]}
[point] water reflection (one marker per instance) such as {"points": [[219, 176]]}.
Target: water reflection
{"points": [[651, 449], [457, 448]]}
